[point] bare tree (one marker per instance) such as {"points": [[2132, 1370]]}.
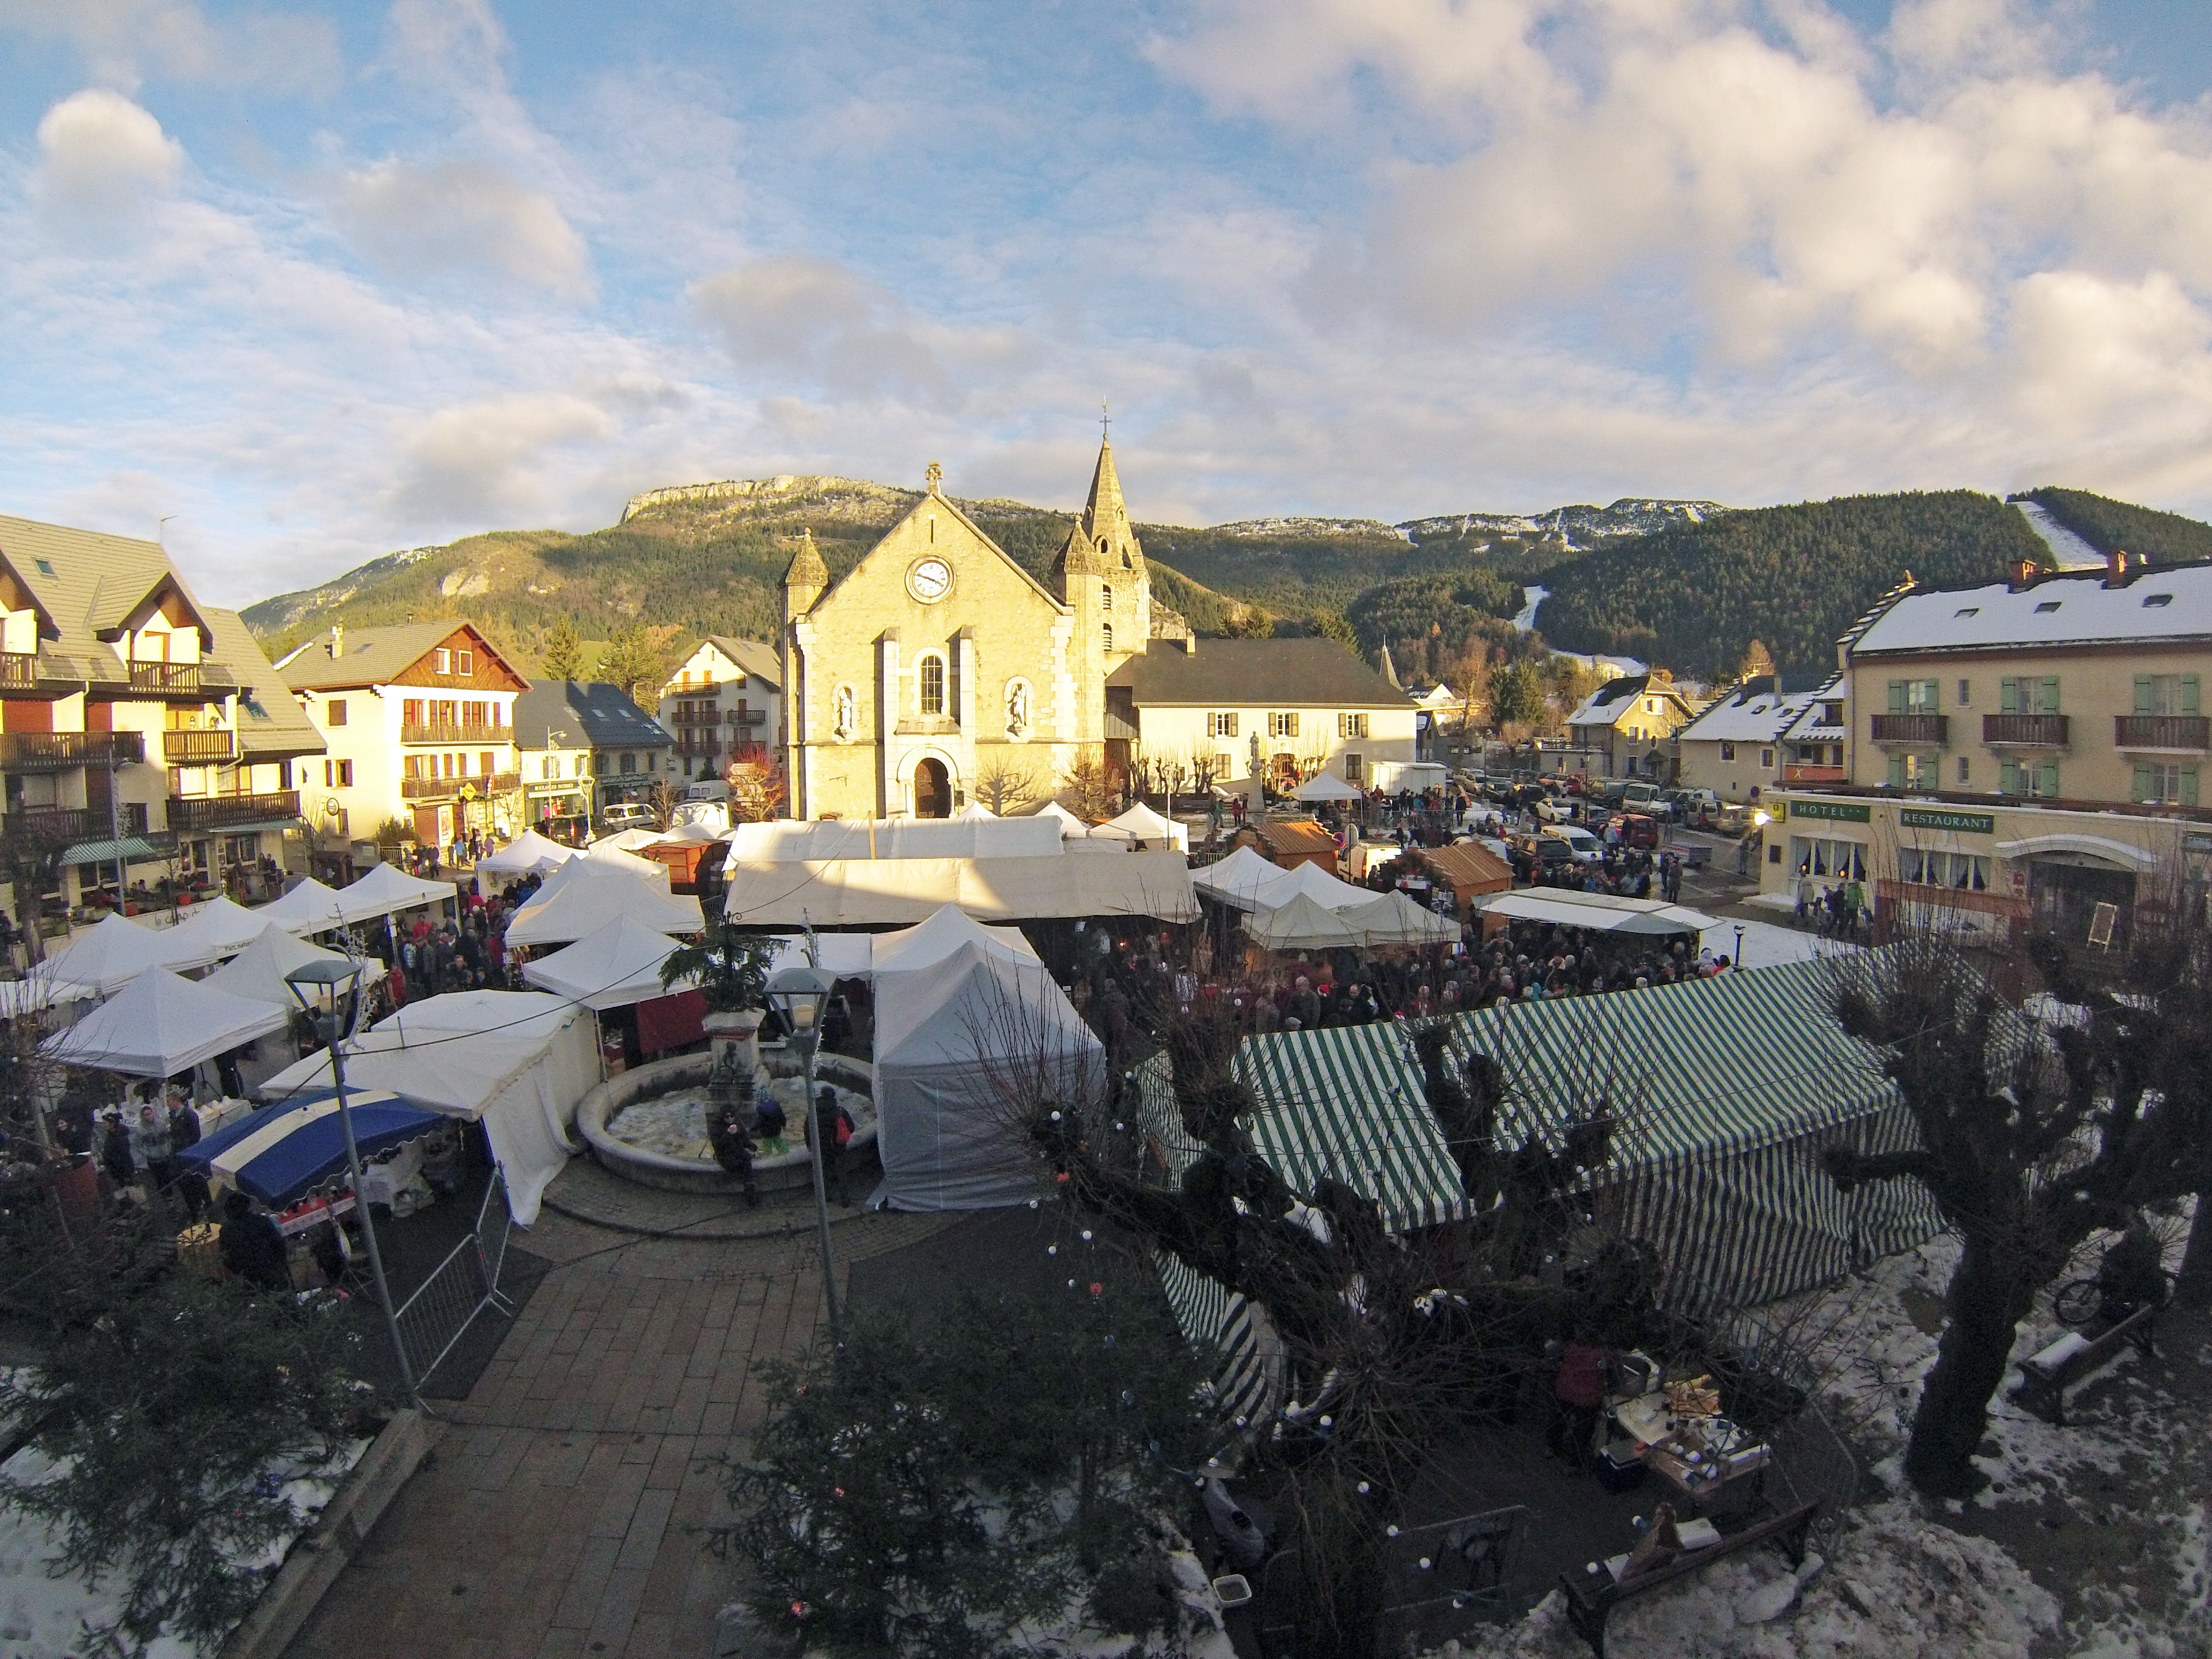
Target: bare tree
{"points": [[1005, 780], [1086, 785]]}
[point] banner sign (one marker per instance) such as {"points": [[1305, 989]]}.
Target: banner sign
{"points": [[1965, 824], [1837, 811]]}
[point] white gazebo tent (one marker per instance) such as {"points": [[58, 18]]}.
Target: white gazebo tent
{"points": [[928, 943], [1393, 918], [210, 932], [111, 953], [611, 967], [1326, 786], [310, 908], [518, 1061], [1302, 924], [953, 1040], [527, 852], [975, 809], [586, 894], [1069, 823], [1244, 879], [605, 856], [20, 998], [257, 973], [1601, 913], [1141, 823], [1317, 884], [628, 841], [162, 1024], [386, 889]]}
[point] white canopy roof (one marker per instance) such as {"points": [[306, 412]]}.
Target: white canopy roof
{"points": [[40, 991], [1301, 923], [841, 956], [1140, 822], [1242, 879], [1325, 786], [628, 841], [162, 1024], [1317, 884], [210, 932], [975, 809], [310, 908], [257, 973], [944, 932], [1394, 919], [1599, 912], [786, 840], [386, 889], [870, 892], [612, 967], [616, 857], [586, 894], [111, 953], [527, 852], [1053, 812]]}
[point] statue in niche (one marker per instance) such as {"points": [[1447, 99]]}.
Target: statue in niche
{"points": [[1017, 708], [844, 717]]}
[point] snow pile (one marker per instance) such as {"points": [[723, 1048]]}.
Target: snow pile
{"points": [[43, 1615]]}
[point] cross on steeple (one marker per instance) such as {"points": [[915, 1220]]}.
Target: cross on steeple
{"points": [[1104, 421], [933, 476]]}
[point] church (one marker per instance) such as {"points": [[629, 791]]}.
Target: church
{"points": [[939, 669]]}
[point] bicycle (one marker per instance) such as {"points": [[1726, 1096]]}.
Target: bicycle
{"points": [[2083, 1301]]}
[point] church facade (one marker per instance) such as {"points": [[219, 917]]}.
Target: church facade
{"points": [[938, 671]]}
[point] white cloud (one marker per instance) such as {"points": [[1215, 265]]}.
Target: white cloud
{"points": [[493, 455], [126, 42], [103, 162], [459, 215]]}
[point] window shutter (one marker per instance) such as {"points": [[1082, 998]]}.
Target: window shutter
{"points": [[2189, 785], [2050, 695], [2050, 780], [1897, 696], [2189, 705], [2142, 694], [1896, 770], [2008, 697], [2141, 790]]}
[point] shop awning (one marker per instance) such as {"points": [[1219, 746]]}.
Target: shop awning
{"points": [[129, 848], [1601, 913], [282, 1152]]}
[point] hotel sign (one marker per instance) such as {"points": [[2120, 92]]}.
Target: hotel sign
{"points": [[1965, 823], [1839, 811]]}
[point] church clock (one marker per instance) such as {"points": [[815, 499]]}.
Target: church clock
{"points": [[929, 580]]}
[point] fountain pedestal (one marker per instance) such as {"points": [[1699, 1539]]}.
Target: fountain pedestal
{"points": [[739, 1030]]}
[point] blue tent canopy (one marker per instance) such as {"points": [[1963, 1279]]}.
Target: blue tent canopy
{"points": [[282, 1152]]}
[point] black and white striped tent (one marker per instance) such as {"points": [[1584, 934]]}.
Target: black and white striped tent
{"points": [[1725, 1092]]}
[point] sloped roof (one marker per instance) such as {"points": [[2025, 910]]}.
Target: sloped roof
{"points": [[2172, 602], [1810, 725], [1295, 837], [600, 716], [271, 724], [86, 582], [374, 656], [1606, 705], [1754, 712], [758, 660], [1312, 673]]}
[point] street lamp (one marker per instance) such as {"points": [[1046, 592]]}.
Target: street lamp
{"points": [[799, 993], [1738, 947], [315, 987]]}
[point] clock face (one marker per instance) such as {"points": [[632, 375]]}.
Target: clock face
{"points": [[929, 581]]}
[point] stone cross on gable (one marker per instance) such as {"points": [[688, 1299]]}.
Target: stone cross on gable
{"points": [[935, 476]]}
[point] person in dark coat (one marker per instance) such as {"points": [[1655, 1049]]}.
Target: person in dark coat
{"points": [[732, 1138], [184, 1131], [251, 1247], [833, 1129], [115, 1159]]}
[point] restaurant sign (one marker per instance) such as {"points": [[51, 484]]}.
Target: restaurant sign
{"points": [[1965, 823], [1837, 811]]}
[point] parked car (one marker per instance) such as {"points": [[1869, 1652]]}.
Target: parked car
{"points": [[622, 815], [1585, 847], [1531, 854], [1639, 829]]}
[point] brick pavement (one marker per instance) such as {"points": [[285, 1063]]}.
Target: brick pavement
{"points": [[561, 1513]]}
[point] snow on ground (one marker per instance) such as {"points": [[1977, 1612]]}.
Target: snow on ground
{"points": [[2070, 551], [43, 1617], [1765, 945]]}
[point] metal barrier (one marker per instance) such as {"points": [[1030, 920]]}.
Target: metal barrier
{"points": [[443, 1306], [1445, 1578]]}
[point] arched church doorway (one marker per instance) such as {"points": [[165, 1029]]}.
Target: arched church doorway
{"points": [[932, 791]]}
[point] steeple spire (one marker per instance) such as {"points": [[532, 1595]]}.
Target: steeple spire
{"points": [[1105, 517]]}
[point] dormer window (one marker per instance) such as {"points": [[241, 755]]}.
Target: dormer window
{"points": [[2046, 607], [441, 661], [1968, 610], [465, 663], [45, 565]]}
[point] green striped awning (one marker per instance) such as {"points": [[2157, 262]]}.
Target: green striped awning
{"points": [[1725, 1092], [129, 848]]}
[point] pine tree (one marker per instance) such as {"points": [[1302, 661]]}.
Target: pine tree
{"points": [[629, 661], [563, 656]]}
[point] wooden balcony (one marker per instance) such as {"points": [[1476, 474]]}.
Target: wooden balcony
{"points": [[189, 679], [748, 717], [1919, 730], [59, 826], [18, 671], [432, 789], [199, 748], [198, 816], [456, 736], [1801, 772], [2190, 733], [64, 751], [2024, 731]]}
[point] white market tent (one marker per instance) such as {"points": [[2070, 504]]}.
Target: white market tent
{"points": [[841, 956], [628, 841], [1326, 786], [1141, 823], [787, 840], [257, 973], [110, 953], [1394, 919], [162, 1024], [1053, 812], [941, 935], [1240, 879], [974, 810], [210, 932], [527, 852], [950, 1038], [42, 991], [611, 967], [385, 890], [864, 892], [516, 1061], [1317, 884], [310, 908], [1599, 912], [1303, 924], [586, 894], [600, 855]]}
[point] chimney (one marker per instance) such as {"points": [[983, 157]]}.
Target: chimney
{"points": [[2020, 573], [2118, 563], [337, 641]]}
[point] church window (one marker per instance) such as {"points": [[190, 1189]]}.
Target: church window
{"points": [[1106, 596], [932, 685], [1110, 636]]}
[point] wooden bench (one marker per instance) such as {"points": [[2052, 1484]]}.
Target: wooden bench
{"points": [[2042, 1384], [1592, 1596]]}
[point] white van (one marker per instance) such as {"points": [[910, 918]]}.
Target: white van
{"points": [[626, 815], [709, 789], [1586, 848]]}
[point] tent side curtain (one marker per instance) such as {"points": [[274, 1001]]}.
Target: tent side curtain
{"points": [[1247, 1381]]}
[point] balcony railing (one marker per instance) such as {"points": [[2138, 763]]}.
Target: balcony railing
{"points": [[1930, 730], [196, 816], [455, 733], [2193, 731], [499, 783], [748, 717], [64, 751], [1798, 772], [182, 678], [2024, 731], [198, 748], [18, 671], [58, 826]]}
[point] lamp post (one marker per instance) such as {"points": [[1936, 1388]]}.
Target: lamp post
{"points": [[799, 994], [314, 986], [1738, 947]]}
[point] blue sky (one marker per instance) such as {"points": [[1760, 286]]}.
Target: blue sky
{"points": [[313, 283]]}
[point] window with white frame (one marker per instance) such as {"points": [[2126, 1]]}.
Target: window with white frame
{"points": [[2028, 777], [932, 684], [442, 660], [1912, 771], [2028, 694], [1351, 725], [2164, 783], [1283, 725], [1767, 760], [1912, 696], [1816, 855], [2168, 694], [1221, 726], [1966, 872]]}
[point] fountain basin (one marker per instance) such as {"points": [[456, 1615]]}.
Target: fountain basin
{"points": [[681, 1079]]}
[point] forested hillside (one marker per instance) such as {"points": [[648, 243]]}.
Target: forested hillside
{"points": [[1693, 597], [2106, 525]]}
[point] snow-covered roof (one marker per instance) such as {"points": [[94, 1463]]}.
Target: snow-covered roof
{"points": [[1758, 713], [2172, 603], [1618, 697], [1812, 725]]}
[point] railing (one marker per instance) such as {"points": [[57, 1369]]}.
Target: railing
{"points": [[64, 751], [2162, 731], [748, 717], [1809, 774], [181, 677], [198, 748], [499, 783], [62, 824], [1931, 730], [444, 731], [18, 671], [198, 814], [2025, 731], [443, 1306]]}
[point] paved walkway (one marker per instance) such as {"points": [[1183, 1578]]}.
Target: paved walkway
{"points": [[561, 1510]]}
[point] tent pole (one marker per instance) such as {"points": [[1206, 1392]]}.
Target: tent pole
{"points": [[368, 1222]]}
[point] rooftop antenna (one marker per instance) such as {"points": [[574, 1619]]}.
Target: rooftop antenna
{"points": [[158, 523]]}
